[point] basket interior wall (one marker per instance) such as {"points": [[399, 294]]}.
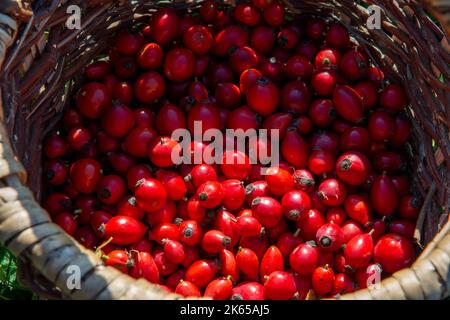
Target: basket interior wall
{"points": [[38, 84]]}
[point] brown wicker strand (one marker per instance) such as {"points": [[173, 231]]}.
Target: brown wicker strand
{"points": [[39, 75]]}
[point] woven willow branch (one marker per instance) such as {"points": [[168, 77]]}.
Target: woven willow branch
{"points": [[35, 73]]}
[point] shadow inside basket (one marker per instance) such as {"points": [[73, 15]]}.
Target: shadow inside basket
{"points": [[43, 74]]}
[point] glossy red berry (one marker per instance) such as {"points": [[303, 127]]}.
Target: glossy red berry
{"points": [[92, 99], [198, 39], [337, 36], [381, 126], [210, 194], [280, 285], [310, 223], [144, 266], [247, 14], [234, 194], [358, 208], [67, 222], [55, 171], [248, 263], [118, 120], [279, 180], [85, 175], [324, 82], [409, 207], [336, 215], [299, 66], [179, 64], [86, 237], [359, 251], [343, 283], [228, 265], [354, 65], [263, 96], [54, 146], [124, 230], [332, 192], [248, 226], [383, 196], [351, 229], [164, 265], [287, 38], [214, 241], [243, 58], [111, 189], [271, 261], [248, 291], [173, 183], [204, 113], [149, 87], [163, 151], [236, 165], [295, 96], [267, 211], [174, 250], [330, 237], [355, 138], [150, 194], [393, 98], [327, 59], [219, 289], [187, 289], [209, 10], [353, 168], [303, 180], [138, 141], [393, 252], [321, 162], [315, 28], [164, 215], [405, 228], [304, 259], [191, 232], [273, 14], [348, 103], [79, 138], [295, 203], [164, 25], [202, 272], [323, 280], [295, 149]]}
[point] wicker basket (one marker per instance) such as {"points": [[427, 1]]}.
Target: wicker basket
{"points": [[39, 69]]}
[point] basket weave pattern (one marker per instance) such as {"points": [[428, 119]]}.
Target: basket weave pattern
{"points": [[40, 65]]}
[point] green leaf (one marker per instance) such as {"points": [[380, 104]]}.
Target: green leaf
{"points": [[10, 287]]}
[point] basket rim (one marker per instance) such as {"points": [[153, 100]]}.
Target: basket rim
{"points": [[34, 232]]}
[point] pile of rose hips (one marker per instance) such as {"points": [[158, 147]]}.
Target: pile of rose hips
{"points": [[338, 203]]}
